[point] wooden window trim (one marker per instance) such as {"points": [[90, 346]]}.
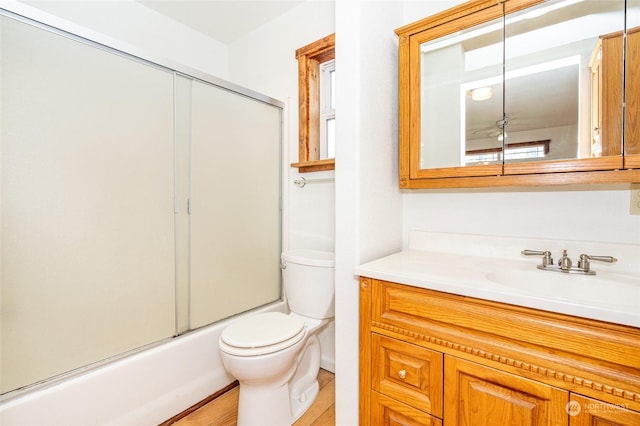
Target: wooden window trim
{"points": [[309, 59], [544, 142]]}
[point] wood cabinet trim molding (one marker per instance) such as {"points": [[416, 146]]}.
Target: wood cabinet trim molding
{"points": [[527, 369], [568, 178], [632, 161], [365, 355], [461, 11]]}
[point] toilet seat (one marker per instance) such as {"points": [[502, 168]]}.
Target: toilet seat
{"points": [[262, 334]]}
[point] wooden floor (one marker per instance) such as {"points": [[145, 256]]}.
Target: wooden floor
{"points": [[223, 411]]}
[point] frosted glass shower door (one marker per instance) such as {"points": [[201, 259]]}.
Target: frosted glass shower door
{"points": [[235, 204], [87, 223]]}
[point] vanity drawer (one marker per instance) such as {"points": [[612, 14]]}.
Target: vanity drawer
{"points": [[388, 411], [408, 373]]}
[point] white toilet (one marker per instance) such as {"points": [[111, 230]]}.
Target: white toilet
{"points": [[275, 356]]}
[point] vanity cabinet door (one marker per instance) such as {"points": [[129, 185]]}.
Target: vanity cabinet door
{"points": [[478, 395], [388, 411], [585, 411]]}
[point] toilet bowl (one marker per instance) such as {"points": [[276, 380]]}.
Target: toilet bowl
{"points": [[275, 356]]}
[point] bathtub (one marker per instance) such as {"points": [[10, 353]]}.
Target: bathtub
{"points": [[145, 388]]}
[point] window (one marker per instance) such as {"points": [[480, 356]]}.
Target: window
{"points": [[328, 109], [522, 151], [316, 106]]}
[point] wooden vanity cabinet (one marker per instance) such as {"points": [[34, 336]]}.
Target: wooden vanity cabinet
{"points": [[434, 358]]}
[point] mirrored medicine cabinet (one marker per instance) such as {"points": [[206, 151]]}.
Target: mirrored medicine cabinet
{"points": [[521, 92]]}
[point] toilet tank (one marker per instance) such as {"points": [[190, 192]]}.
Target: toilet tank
{"points": [[309, 283]]}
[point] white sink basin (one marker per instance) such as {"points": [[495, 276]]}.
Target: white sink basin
{"points": [[490, 268], [614, 290]]}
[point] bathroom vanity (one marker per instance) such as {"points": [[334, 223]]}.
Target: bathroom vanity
{"points": [[446, 339]]}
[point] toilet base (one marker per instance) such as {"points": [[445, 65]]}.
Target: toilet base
{"points": [[260, 406], [302, 403], [304, 383]]}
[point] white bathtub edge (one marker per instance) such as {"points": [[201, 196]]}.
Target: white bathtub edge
{"points": [[145, 388]]}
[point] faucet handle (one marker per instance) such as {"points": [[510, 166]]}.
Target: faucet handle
{"points": [[546, 255], [583, 263], [564, 263]]}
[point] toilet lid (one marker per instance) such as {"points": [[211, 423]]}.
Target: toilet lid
{"points": [[256, 331]]}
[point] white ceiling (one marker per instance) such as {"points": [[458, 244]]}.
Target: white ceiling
{"points": [[539, 100], [223, 20]]}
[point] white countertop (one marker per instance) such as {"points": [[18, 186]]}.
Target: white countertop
{"points": [[453, 263]]}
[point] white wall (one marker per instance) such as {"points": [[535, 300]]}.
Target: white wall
{"points": [[144, 29], [597, 213], [368, 203], [265, 61], [577, 212]]}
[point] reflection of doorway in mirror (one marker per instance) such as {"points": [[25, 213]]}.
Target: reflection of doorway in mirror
{"points": [[632, 80], [536, 36]]}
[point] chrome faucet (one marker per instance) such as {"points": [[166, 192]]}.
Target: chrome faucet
{"points": [[565, 265]]}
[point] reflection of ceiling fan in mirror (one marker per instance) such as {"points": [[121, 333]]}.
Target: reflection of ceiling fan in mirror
{"points": [[496, 130], [539, 99]]}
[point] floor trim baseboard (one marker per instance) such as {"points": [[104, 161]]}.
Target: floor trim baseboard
{"points": [[199, 405]]}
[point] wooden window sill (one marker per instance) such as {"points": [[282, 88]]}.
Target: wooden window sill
{"points": [[315, 166]]}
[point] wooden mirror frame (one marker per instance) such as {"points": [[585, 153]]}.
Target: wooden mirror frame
{"points": [[613, 169]]}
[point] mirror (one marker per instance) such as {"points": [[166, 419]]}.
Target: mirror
{"points": [[450, 77], [565, 48], [545, 104]]}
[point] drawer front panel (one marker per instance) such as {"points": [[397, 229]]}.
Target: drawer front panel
{"points": [[389, 412], [408, 373]]}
